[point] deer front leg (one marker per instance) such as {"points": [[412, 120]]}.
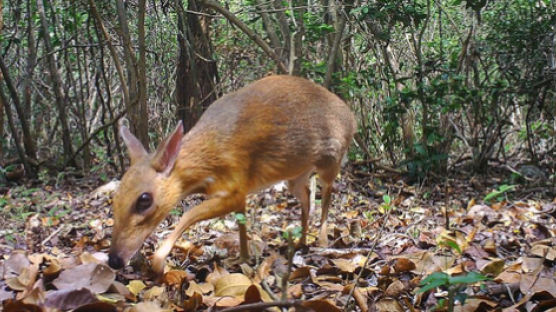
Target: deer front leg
{"points": [[211, 208]]}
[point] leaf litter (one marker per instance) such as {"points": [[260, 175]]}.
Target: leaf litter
{"points": [[54, 248]]}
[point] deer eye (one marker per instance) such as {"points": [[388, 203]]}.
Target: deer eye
{"points": [[144, 201]]}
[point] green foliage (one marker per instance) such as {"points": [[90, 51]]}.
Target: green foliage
{"points": [[295, 233], [240, 218], [454, 284], [499, 193]]}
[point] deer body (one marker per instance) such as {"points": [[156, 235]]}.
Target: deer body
{"points": [[277, 128]]}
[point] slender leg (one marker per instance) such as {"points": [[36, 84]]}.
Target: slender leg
{"points": [[300, 189], [327, 176], [243, 240], [211, 208]]}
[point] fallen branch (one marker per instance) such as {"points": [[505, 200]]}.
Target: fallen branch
{"points": [[263, 305]]}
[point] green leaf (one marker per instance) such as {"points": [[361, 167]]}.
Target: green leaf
{"points": [[469, 278], [386, 199], [452, 245], [240, 218], [434, 280]]}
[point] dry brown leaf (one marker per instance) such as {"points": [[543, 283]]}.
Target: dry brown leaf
{"points": [[193, 288], [148, 306], [193, 303], [11, 305], [264, 269], [95, 277], [96, 307], [153, 293], [15, 264], [388, 305], [67, 299], [493, 267], [321, 305], [404, 265], [531, 283], [216, 274], [531, 264], [395, 289], [174, 277], [302, 272], [225, 302], [475, 304], [345, 265], [252, 295], [543, 251], [232, 285]]}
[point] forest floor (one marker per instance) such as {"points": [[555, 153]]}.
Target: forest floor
{"points": [[492, 248]]}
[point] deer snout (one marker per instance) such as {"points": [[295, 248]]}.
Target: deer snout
{"points": [[115, 262]]}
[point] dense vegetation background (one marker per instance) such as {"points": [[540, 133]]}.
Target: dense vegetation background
{"points": [[447, 204], [436, 85]]}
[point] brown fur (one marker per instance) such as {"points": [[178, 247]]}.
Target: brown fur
{"points": [[277, 128]]}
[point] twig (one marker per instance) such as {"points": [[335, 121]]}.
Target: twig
{"points": [[53, 234], [375, 242], [263, 305]]}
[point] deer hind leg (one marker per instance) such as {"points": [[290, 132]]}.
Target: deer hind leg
{"points": [[326, 175], [299, 187]]}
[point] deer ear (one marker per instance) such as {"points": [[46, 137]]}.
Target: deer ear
{"points": [[165, 157], [134, 146]]}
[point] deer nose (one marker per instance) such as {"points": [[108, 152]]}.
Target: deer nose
{"points": [[115, 262]]}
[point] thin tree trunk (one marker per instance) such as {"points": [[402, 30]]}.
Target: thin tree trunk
{"points": [[135, 113], [30, 149], [1, 102], [142, 111], [30, 171], [57, 85], [197, 74]]}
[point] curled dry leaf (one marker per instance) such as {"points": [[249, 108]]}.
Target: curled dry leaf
{"points": [[95, 277], [174, 277], [404, 265], [193, 303]]}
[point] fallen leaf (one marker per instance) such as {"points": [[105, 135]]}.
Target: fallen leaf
{"points": [[174, 277], [11, 305], [136, 286], [67, 299], [345, 265], [403, 265], [153, 292], [193, 303], [388, 305], [95, 277], [96, 307], [321, 305]]}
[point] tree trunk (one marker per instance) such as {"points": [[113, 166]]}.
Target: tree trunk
{"points": [[56, 84], [196, 74], [1, 102], [138, 116]]}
